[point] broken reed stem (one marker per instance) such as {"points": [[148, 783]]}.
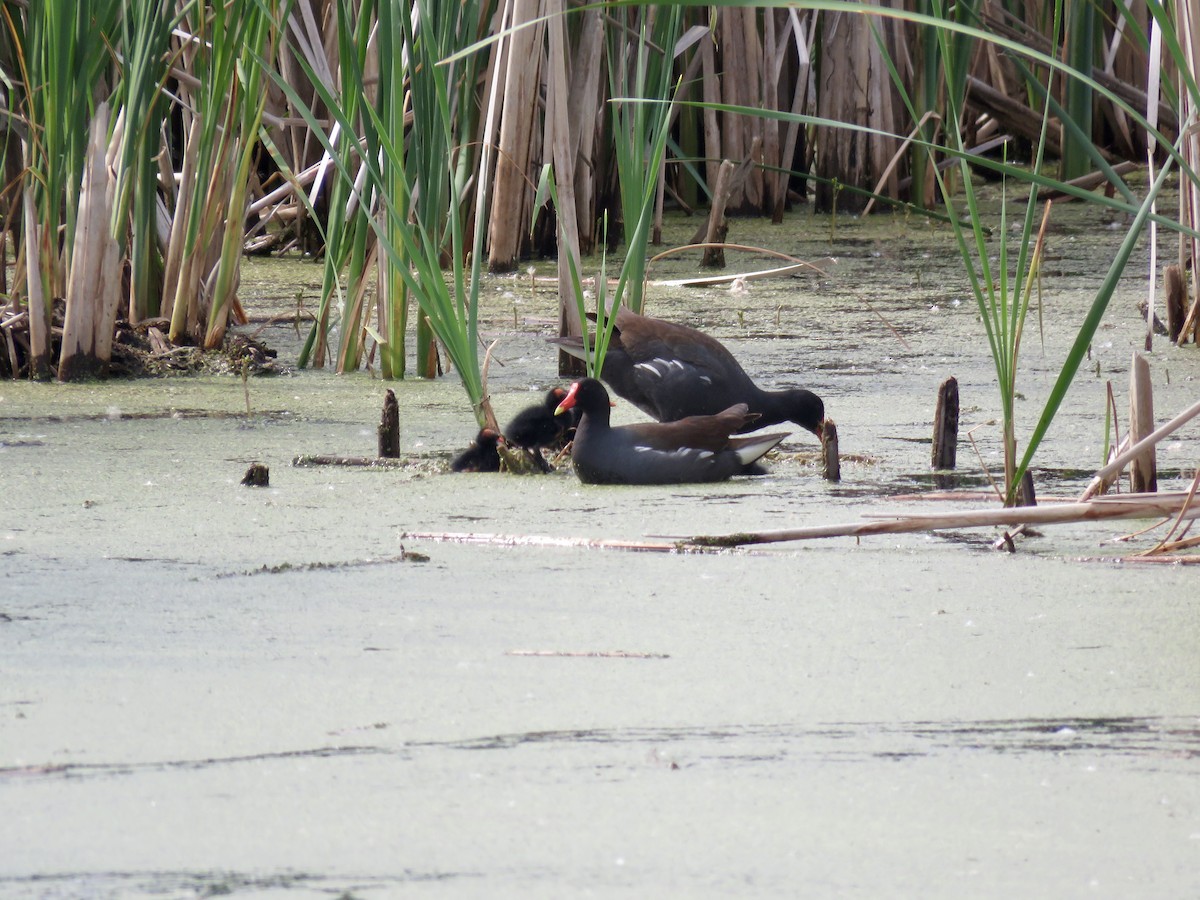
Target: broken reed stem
{"points": [[1105, 475], [945, 426], [714, 237], [368, 462], [1119, 444], [389, 427], [1168, 542], [983, 465], [1172, 546], [485, 400], [829, 451], [540, 540], [1127, 506], [1175, 289], [1143, 470], [246, 386], [1166, 560]]}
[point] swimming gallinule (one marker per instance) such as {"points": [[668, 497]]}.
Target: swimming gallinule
{"points": [[536, 427], [671, 371], [481, 456], [696, 448]]}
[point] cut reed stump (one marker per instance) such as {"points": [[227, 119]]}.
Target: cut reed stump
{"points": [[829, 451], [718, 227], [1026, 495], [1176, 301], [1143, 471], [389, 427], [945, 426], [1102, 479]]}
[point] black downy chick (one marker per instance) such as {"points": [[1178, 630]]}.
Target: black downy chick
{"points": [[481, 456], [537, 427]]}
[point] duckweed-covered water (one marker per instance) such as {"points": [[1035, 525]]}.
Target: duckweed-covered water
{"points": [[209, 689]]}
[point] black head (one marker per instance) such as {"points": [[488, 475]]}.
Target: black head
{"points": [[806, 409], [487, 439], [567, 419], [482, 456], [588, 396], [555, 396]]}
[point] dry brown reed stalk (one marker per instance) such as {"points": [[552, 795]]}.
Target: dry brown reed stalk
{"points": [[563, 141], [855, 79], [523, 63], [1187, 21], [1126, 506], [583, 105], [713, 280], [94, 281], [485, 402], [1164, 560], [1142, 469], [801, 83], [982, 465], [538, 540], [1169, 542], [746, 248], [1104, 477], [1119, 444], [898, 157]]}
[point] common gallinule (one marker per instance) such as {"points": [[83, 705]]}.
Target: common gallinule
{"points": [[536, 427], [696, 448], [671, 371], [481, 455]]}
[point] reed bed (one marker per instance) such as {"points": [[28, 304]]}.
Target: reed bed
{"points": [[402, 145]]}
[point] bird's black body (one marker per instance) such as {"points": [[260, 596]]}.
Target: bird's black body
{"points": [[692, 449], [671, 371]]}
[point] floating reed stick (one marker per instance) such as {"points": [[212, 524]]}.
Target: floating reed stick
{"points": [[1127, 506], [368, 462], [540, 540]]}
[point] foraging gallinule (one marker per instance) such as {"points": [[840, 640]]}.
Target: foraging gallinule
{"points": [[481, 456], [696, 448], [671, 371], [536, 427]]}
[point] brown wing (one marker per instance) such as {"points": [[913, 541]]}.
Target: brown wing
{"points": [[700, 432], [644, 337]]}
